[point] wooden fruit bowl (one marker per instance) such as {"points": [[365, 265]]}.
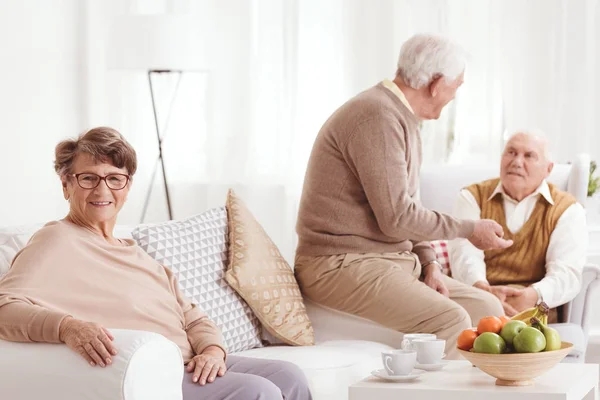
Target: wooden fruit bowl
{"points": [[517, 369]]}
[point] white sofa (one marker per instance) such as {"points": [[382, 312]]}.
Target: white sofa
{"points": [[148, 366]]}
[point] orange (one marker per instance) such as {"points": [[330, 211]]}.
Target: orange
{"points": [[489, 324], [466, 338], [504, 319]]}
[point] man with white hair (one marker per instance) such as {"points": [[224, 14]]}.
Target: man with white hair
{"points": [[362, 231], [547, 225]]}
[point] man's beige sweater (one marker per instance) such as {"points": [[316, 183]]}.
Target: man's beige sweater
{"points": [[361, 186], [68, 270]]}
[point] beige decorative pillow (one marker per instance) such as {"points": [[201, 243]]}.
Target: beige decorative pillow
{"points": [[263, 278]]}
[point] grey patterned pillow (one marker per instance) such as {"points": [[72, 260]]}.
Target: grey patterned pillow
{"points": [[195, 249]]}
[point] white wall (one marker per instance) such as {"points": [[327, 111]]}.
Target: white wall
{"points": [[41, 93], [55, 85]]}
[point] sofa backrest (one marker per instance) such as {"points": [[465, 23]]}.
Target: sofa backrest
{"points": [[441, 184]]}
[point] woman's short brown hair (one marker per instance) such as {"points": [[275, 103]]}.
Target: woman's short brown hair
{"points": [[103, 144]]}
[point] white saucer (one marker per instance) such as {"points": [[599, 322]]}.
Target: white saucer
{"points": [[382, 373], [432, 367]]}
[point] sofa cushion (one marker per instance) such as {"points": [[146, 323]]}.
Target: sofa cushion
{"points": [[195, 249], [13, 239], [9, 246], [441, 251], [260, 274], [330, 367]]}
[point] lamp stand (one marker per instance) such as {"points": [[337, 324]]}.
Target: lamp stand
{"points": [[160, 139]]}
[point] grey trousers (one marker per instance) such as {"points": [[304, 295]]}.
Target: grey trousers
{"points": [[251, 379]]}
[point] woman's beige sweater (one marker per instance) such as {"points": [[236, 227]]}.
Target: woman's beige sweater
{"points": [[68, 270]]}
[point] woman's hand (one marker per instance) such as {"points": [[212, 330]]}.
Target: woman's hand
{"points": [[208, 365], [90, 340]]}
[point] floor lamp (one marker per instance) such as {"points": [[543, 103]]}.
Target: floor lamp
{"points": [[157, 45], [160, 139]]}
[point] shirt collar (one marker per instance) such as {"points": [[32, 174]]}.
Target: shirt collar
{"points": [[543, 189], [391, 86]]}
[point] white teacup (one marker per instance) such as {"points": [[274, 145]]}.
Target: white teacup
{"points": [[399, 362], [409, 337], [429, 351]]}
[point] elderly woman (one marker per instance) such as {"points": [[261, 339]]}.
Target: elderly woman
{"points": [[74, 281]]}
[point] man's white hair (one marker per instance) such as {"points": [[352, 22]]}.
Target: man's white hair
{"points": [[424, 57]]}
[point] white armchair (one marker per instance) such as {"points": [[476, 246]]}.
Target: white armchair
{"points": [[440, 186], [148, 367]]}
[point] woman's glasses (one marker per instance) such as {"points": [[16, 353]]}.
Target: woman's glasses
{"points": [[91, 181]]}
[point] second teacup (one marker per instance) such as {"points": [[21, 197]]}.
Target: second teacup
{"points": [[429, 351]]}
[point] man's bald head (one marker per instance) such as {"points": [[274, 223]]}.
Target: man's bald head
{"points": [[535, 138], [525, 164]]}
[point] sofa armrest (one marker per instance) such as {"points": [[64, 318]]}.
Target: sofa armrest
{"points": [[147, 367], [330, 324], [580, 308]]}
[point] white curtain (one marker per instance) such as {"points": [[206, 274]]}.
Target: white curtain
{"points": [[279, 68], [551, 73]]}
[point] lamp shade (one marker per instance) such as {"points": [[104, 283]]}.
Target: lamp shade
{"points": [[162, 42]]}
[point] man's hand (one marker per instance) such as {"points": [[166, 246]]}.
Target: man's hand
{"points": [[208, 365], [526, 300], [432, 276], [487, 235], [503, 293], [90, 340]]}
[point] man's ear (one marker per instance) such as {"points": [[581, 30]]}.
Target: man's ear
{"points": [[434, 86], [550, 168]]}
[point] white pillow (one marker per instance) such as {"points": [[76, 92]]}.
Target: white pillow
{"points": [[8, 249], [195, 249], [13, 239]]}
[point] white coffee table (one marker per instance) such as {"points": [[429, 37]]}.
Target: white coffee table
{"points": [[459, 380]]}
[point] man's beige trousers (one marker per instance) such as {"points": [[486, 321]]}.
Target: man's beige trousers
{"points": [[385, 288]]}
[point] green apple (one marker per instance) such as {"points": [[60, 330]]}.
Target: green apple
{"points": [[529, 340], [490, 343], [512, 329]]}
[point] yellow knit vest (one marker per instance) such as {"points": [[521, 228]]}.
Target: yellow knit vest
{"points": [[525, 261]]}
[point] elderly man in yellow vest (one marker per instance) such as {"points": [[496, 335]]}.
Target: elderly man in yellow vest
{"points": [[547, 226]]}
